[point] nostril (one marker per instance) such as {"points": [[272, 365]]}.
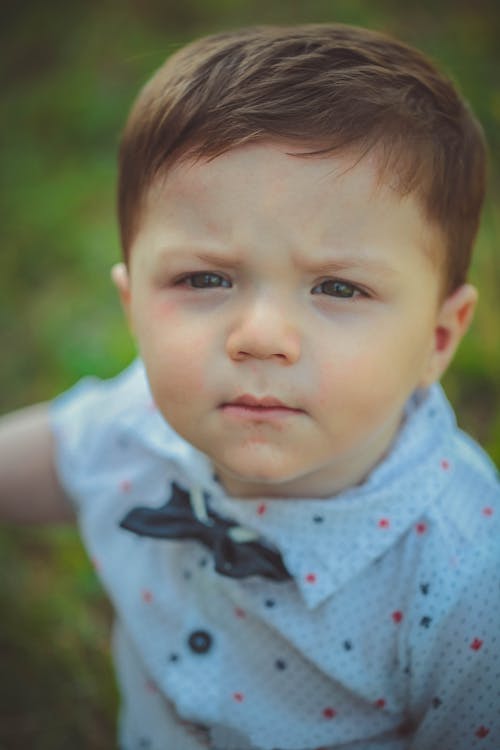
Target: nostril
{"points": [[243, 355], [267, 338]]}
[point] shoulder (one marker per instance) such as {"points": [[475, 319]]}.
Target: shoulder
{"points": [[471, 501], [458, 568], [103, 426], [116, 396], [455, 599], [457, 558]]}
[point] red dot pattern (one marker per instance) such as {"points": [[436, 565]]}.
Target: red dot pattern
{"points": [[482, 732], [151, 686], [329, 712]]}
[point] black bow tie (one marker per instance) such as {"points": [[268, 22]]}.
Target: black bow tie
{"points": [[176, 520]]}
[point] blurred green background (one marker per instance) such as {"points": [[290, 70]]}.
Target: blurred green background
{"points": [[69, 72]]}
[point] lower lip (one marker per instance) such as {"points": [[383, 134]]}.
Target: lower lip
{"points": [[259, 413]]}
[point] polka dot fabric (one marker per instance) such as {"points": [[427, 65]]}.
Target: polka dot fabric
{"points": [[386, 636]]}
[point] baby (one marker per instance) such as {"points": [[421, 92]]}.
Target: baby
{"points": [[300, 545]]}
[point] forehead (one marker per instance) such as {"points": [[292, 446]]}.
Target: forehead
{"points": [[267, 175], [271, 193]]}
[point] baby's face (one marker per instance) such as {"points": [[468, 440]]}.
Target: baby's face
{"points": [[285, 309]]}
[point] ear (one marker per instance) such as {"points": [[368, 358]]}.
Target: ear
{"points": [[121, 280], [453, 320]]}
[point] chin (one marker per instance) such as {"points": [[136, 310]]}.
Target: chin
{"points": [[267, 469], [270, 481]]}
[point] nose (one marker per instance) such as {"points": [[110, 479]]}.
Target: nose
{"points": [[264, 330]]}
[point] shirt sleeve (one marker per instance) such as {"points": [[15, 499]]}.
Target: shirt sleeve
{"points": [[87, 421], [462, 710]]}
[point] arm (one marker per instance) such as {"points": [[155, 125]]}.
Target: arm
{"points": [[29, 489]]}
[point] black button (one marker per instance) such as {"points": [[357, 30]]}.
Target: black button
{"points": [[200, 641]]}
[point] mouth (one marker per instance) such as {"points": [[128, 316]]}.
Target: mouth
{"points": [[265, 408]]}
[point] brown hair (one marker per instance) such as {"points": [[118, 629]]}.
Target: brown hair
{"points": [[329, 87]]}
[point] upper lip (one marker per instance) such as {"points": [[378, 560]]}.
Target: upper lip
{"points": [[266, 402]]}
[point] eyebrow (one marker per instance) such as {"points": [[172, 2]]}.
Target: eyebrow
{"points": [[323, 267], [211, 258], [350, 263]]}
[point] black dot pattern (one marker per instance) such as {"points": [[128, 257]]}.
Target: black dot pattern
{"points": [[200, 641]]}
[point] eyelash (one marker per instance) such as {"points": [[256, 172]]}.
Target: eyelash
{"points": [[206, 284], [337, 287]]}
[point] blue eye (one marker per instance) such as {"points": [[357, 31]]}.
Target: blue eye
{"points": [[336, 288], [204, 280]]}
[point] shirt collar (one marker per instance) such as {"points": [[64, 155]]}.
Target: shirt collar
{"points": [[326, 542]]}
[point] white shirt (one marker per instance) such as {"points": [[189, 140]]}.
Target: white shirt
{"points": [[386, 636]]}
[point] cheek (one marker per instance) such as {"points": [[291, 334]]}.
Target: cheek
{"points": [[375, 375], [163, 311], [176, 359], [341, 375], [326, 385], [181, 363]]}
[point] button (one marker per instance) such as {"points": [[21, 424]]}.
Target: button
{"points": [[200, 641]]}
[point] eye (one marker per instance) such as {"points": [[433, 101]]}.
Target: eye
{"points": [[337, 288], [206, 280]]}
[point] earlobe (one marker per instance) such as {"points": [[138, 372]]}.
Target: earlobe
{"points": [[120, 278], [453, 320]]}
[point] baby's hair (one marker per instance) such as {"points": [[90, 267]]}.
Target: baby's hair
{"points": [[329, 88]]}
